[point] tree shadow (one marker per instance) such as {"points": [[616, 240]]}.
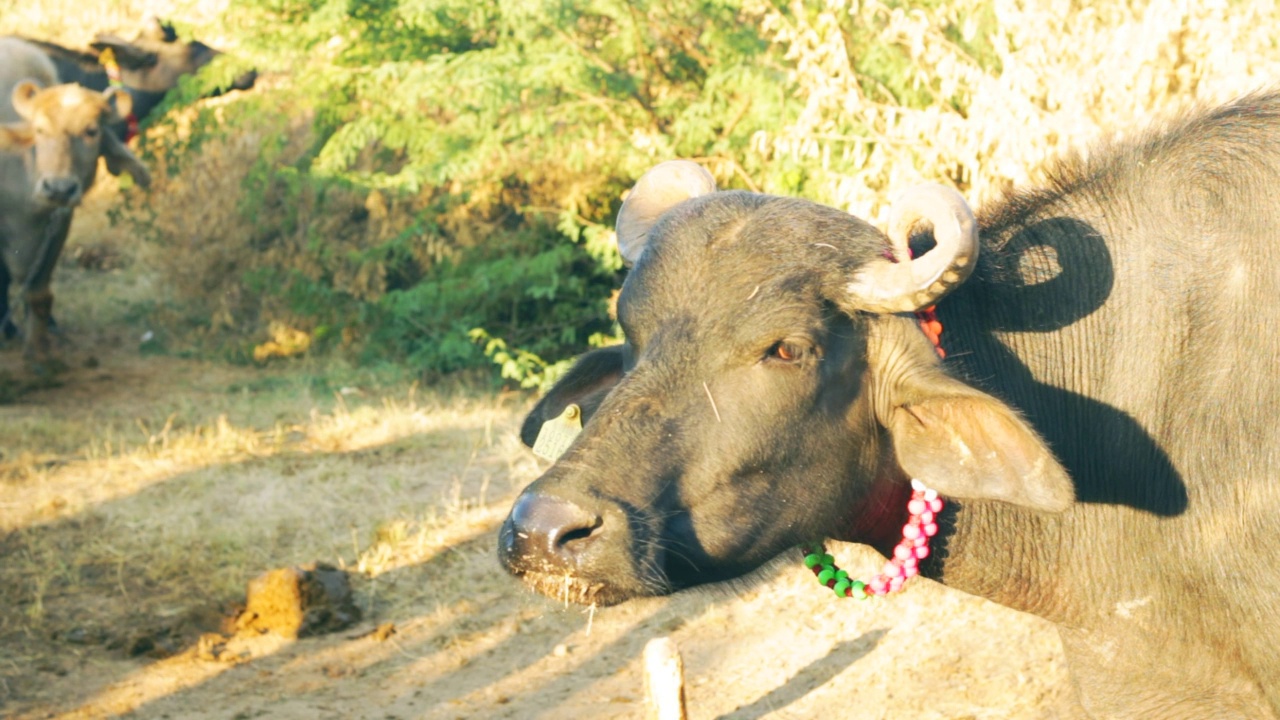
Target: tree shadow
{"points": [[817, 673]]}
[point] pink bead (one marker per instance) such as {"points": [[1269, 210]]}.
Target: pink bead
{"points": [[926, 517], [896, 583], [921, 541], [878, 584], [930, 530], [910, 532], [891, 570], [935, 505], [915, 507], [921, 552], [911, 571], [910, 563], [903, 551]]}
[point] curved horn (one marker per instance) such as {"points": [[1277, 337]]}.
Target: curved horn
{"points": [[665, 185], [885, 286]]}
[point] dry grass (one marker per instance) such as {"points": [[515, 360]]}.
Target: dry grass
{"points": [[75, 23], [1070, 72]]}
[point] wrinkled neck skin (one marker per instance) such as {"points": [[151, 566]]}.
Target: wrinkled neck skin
{"points": [[1163, 421], [971, 552]]}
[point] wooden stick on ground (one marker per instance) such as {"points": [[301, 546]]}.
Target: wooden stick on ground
{"points": [[664, 676]]}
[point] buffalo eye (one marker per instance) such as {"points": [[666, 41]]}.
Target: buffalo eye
{"points": [[91, 132], [786, 352]]}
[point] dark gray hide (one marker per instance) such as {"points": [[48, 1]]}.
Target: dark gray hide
{"points": [[1125, 314]]}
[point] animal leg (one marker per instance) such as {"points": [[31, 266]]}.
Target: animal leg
{"points": [[39, 311]]}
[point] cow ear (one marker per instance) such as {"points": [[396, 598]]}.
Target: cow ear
{"points": [[585, 385], [16, 136], [120, 102], [120, 159], [968, 445], [24, 95]]}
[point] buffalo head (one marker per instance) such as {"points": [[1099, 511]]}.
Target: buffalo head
{"points": [[773, 389]]}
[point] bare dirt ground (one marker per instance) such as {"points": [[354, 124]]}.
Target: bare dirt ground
{"points": [[140, 493]]}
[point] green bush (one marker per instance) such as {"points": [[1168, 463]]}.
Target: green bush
{"points": [[434, 181]]}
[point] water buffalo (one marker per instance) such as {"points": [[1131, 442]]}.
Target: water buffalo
{"points": [[55, 133], [1103, 426]]}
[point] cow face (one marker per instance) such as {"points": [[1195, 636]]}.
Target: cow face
{"points": [[64, 129], [768, 394]]}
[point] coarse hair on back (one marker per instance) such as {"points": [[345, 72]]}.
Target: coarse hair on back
{"points": [[1206, 149]]}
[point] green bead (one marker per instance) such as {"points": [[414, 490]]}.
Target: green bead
{"points": [[826, 575], [842, 575], [859, 589], [811, 561], [828, 560], [842, 587]]}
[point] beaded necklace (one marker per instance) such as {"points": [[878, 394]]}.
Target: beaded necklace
{"points": [[922, 509]]}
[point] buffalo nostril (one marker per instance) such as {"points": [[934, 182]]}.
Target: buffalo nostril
{"points": [[574, 539], [546, 532]]}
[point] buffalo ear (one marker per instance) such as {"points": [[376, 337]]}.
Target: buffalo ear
{"points": [[16, 136], [586, 384], [156, 30], [128, 55], [120, 159], [968, 445]]}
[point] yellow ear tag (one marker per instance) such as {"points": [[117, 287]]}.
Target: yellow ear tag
{"points": [[556, 435]]}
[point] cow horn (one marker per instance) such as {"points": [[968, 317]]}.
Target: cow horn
{"points": [[665, 185], [886, 286]]}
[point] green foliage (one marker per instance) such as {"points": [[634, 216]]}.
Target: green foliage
{"points": [[448, 200]]}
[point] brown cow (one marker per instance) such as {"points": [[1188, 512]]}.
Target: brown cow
{"points": [[55, 135]]}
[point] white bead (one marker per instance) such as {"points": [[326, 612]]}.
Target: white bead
{"points": [[930, 495], [918, 486]]}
